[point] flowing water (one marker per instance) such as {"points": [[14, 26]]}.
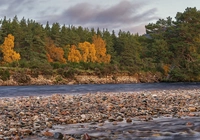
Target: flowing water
{"points": [[156, 129], [12, 91]]}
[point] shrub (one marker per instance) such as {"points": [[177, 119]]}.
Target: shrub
{"points": [[21, 77], [4, 74]]}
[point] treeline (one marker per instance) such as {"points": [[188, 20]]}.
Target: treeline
{"points": [[170, 47]]}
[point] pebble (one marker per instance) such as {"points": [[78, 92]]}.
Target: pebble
{"points": [[128, 120], [58, 135], [27, 116]]}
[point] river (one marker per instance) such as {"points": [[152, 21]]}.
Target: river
{"points": [[33, 90]]}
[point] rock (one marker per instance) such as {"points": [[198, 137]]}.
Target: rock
{"points": [[49, 124], [36, 126], [189, 124], [7, 138], [47, 134], [16, 138], [71, 138], [156, 135], [197, 129], [119, 118], [100, 124], [83, 116], [24, 116], [192, 109], [58, 135], [191, 114], [128, 120], [114, 123], [111, 119], [66, 137], [25, 131], [85, 137]]}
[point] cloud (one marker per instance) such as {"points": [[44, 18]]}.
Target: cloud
{"points": [[118, 14], [123, 14], [14, 7]]}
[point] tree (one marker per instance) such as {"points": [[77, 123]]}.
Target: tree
{"points": [[55, 33], [9, 55], [100, 47], [74, 54], [88, 52], [110, 41], [54, 54]]}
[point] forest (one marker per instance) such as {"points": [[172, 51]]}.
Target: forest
{"points": [[170, 47]]}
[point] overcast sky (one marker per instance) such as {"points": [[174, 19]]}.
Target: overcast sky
{"points": [[127, 15]]}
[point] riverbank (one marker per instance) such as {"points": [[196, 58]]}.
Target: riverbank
{"points": [[38, 116], [26, 78]]}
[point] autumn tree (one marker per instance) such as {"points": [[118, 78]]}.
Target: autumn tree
{"points": [[74, 54], [100, 47], [9, 55], [88, 52], [54, 53], [85, 52]]}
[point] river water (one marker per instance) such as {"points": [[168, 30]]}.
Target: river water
{"points": [[13, 91], [156, 129]]}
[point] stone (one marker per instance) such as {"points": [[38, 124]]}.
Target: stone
{"points": [[83, 116], [100, 124], [128, 120], [16, 138], [25, 131], [27, 116], [119, 118], [197, 129], [111, 119], [85, 137], [156, 135], [7, 138], [114, 123], [47, 134], [71, 138], [49, 124], [189, 124], [58, 135], [192, 109]]}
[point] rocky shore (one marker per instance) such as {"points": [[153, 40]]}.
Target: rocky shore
{"points": [[165, 114], [27, 79]]}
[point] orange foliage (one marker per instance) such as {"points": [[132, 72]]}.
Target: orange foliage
{"points": [[54, 53], [100, 47], [166, 68], [9, 55]]}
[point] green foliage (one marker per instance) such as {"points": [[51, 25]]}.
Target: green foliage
{"points": [[4, 74], [21, 77], [56, 65], [69, 72], [168, 42]]}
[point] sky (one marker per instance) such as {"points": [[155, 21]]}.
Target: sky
{"points": [[127, 15]]}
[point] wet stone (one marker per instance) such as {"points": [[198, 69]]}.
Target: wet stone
{"points": [[110, 115], [58, 135]]}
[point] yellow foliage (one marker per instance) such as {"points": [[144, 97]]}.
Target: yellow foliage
{"points": [[92, 53], [74, 55], [88, 52], [100, 47], [9, 55], [84, 47]]}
